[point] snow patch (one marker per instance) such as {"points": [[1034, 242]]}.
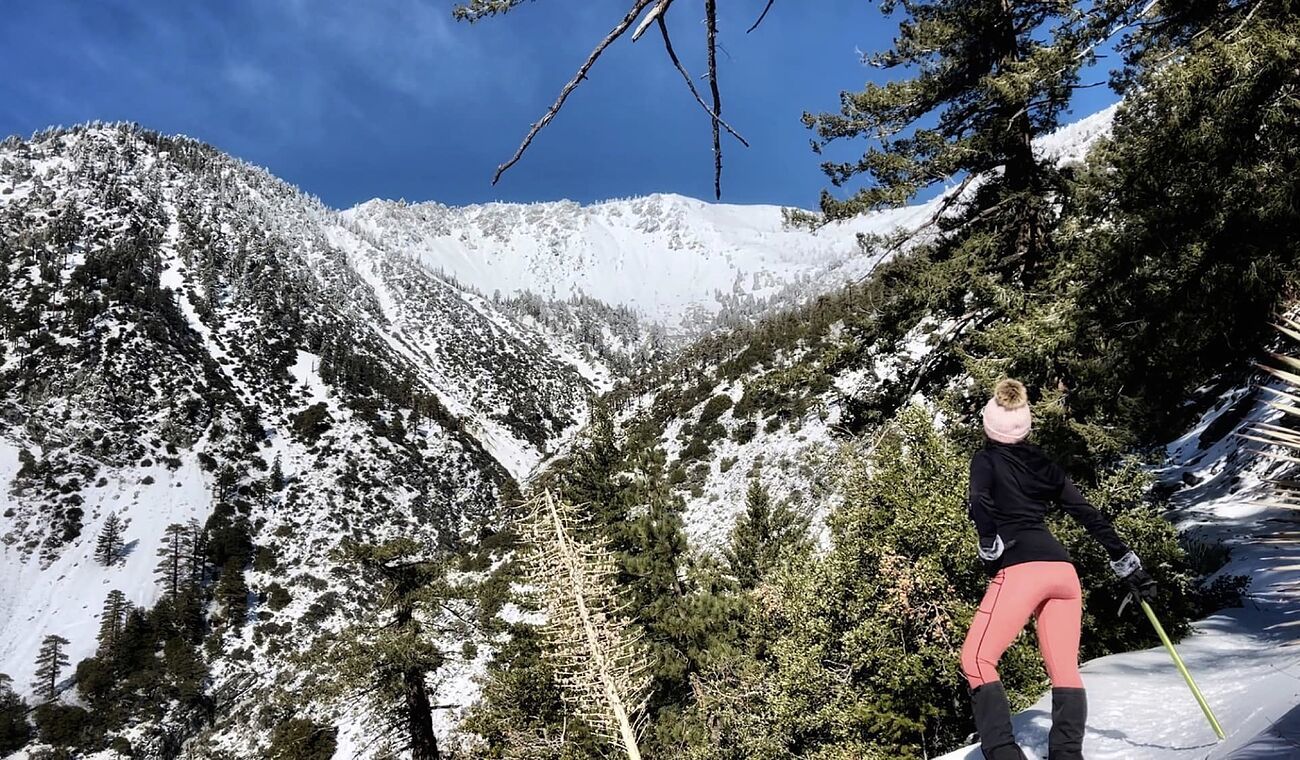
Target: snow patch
{"points": [[65, 597]]}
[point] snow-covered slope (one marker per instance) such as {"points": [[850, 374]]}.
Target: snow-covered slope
{"points": [[678, 262], [1244, 660], [787, 415], [64, 596], [184, 335], [1071, 142], [675, 260]]}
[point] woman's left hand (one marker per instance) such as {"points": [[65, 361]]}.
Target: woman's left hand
{"points": [[1142, 584]]}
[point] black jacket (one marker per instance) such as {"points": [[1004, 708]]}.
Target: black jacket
{"points": [[1012, 489]]}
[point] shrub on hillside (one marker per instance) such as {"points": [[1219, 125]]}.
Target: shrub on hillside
{"points": [[277, 596], [63, 725], [745, 432], [714, 408], [311, 423], [302, 739]]}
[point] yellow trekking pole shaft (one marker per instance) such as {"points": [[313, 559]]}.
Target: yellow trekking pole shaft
{"points": [[1191, 684]]}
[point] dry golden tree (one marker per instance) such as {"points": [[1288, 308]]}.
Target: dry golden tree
{"points": [[1281, 434], [598, 658]]}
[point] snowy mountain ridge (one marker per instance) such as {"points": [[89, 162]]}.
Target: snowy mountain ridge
{"points": [[678, 262], [675, 260]]}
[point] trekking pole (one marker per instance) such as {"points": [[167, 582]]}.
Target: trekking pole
{"points": [[1191, 684]]}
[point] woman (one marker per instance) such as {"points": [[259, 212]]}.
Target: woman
{"points": [[1013, 485]]}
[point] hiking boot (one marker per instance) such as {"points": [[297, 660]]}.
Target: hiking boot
{"points": [[1069, 714], [993, 723]]}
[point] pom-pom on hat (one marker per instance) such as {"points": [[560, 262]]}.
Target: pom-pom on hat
{"points": [[1006, 415]]}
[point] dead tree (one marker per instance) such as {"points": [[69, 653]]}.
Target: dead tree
{"points": [[598, 660]]}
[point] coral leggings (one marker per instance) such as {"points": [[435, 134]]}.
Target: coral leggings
{"points": [[1047, 591]]}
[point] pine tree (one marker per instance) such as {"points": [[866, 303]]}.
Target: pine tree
{"points": [[197, 555], [588, 478], [15, 731], [763, 536], [111, 621], [227, 481], [175, 559], [180, 572], [390, 654], [185, 669], [232, 593], [110, 545], [688, 620], [981, 80], [599, 664], [50, 662], [137, 646], [302, 739], [1188, 214], [277, 470]]}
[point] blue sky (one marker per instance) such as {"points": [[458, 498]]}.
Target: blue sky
{"points": [[355, 99]]}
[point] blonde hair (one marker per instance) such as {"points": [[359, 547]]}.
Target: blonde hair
{"points": [[1010, 394]]}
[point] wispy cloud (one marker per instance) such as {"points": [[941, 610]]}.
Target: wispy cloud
{"points": [[248, 77], [284, 69], [412, 47]]}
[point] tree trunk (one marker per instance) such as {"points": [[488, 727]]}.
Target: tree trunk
{"points": [[1021, 177], [419, 717], [1021, 168]]}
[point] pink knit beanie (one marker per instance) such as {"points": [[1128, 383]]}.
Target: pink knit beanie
{"points": [[1006, 415]]}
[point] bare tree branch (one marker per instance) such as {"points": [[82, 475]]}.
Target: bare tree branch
{"points": [[618, 31], [1243, 23], [672, 55], [711, 19], [656, 14], [761, 16]]}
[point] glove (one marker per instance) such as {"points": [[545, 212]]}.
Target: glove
{"points": [[991, 566], [1129, 569], [991, 548], [990, 553], [1142, 584]]}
